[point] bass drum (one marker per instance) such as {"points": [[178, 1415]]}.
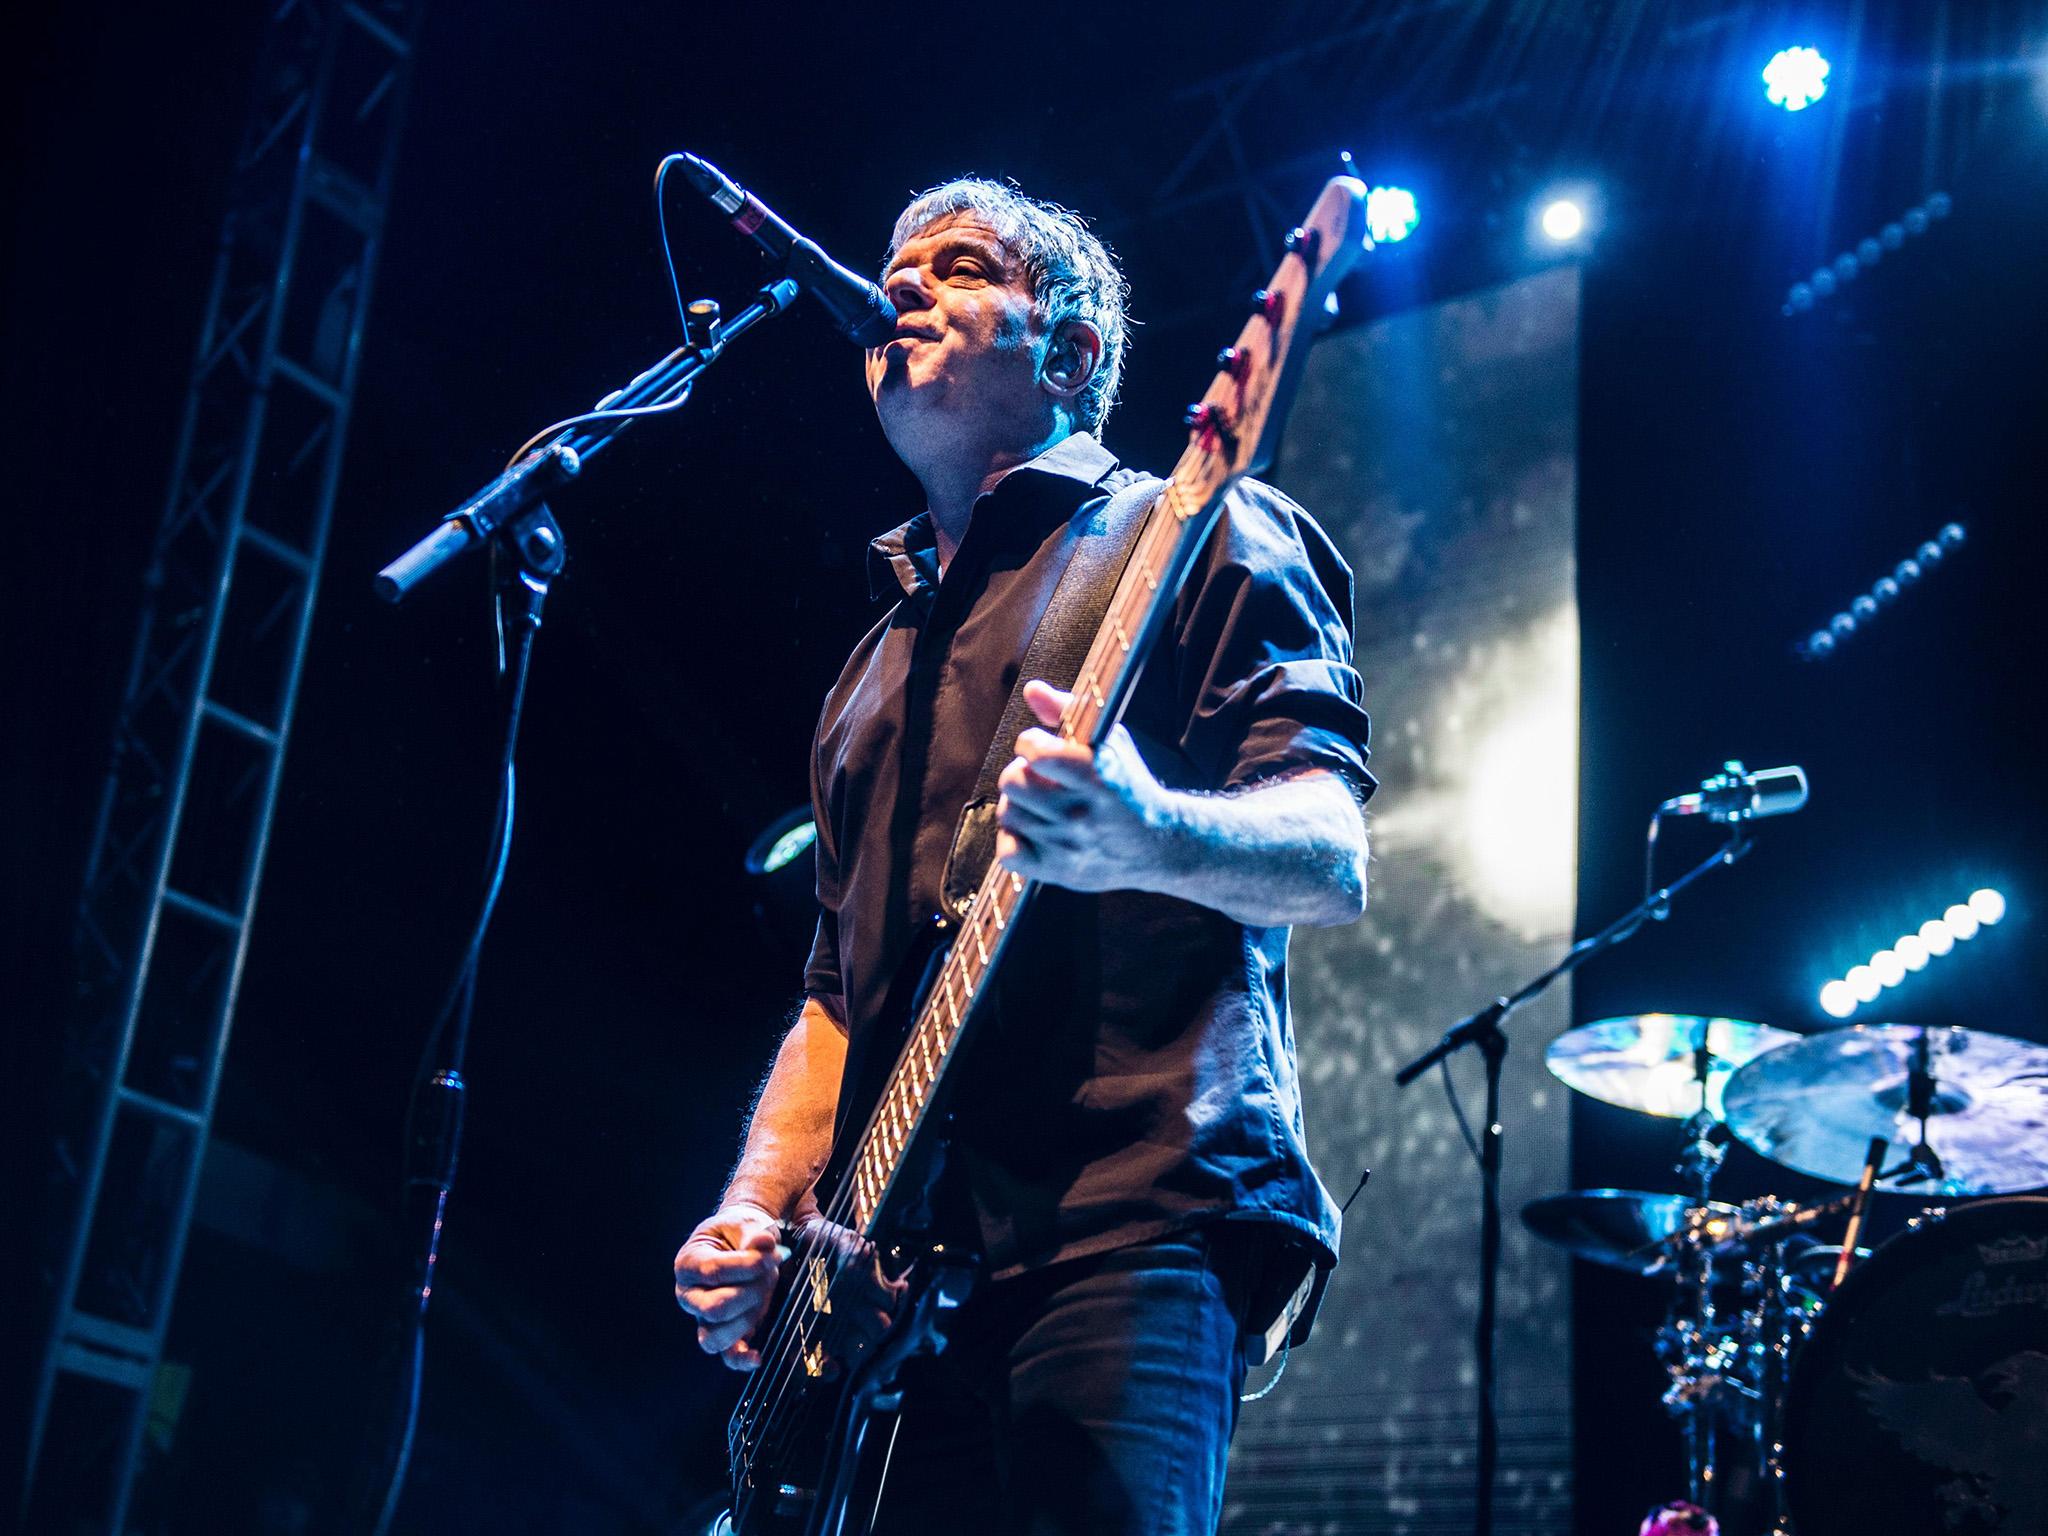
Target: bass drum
{"points": [[1919, 1402]]}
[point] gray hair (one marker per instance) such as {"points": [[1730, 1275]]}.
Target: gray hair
{"points": [[1073, 274]]}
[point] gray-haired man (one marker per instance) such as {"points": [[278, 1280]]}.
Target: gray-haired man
{"points": [[1128, 1152]]}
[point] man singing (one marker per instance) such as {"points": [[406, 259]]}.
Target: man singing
{"points": [[1127, 1151]]}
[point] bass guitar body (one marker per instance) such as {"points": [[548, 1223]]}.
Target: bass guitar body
{"points": [[809, 1450]]}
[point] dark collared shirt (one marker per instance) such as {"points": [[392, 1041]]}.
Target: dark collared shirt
{"points": [[1132, 1068]]}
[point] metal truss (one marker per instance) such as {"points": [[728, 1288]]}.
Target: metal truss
{"points": [[178, 846]]}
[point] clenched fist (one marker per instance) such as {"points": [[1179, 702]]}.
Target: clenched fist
{"points": [[726, 1275], [725, 1278]]}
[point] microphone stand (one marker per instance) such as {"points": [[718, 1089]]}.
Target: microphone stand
{"points": [[509, 509], [510, 517], [1483, 1032]]}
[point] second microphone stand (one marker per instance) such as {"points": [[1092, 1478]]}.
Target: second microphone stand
{"points": [[1483, 1032]]}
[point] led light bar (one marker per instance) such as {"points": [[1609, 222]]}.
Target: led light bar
{"points": [[1911, 952]]}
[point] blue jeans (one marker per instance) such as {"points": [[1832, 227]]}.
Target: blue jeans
{"points": [[1097, 1395]]}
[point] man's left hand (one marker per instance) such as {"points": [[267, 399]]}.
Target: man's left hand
{"points": [[1089, 821]]}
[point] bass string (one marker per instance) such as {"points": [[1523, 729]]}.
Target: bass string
{"points": [[1120, 632], [811, 1242], [800, 1324], [796, 1330]]}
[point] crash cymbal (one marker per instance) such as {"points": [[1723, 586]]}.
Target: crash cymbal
{"points": [[1620, 1228], [1645, 1061], [1814, 1106]]}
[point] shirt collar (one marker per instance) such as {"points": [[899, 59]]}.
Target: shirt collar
{"points": [[905, 560]]}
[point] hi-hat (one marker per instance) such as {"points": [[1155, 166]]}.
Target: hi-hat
{"points": [[1620, 1228], [1814, 1106], [1647, 1061]]}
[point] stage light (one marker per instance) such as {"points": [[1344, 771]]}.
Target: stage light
{"points": [[1911, 953], [781, 842], [1796, 78], [1390, 214], [1563, 220], [1825, 281], [1865, 607]]}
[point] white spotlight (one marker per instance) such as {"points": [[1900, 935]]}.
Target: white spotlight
{"points": [[1796, 78], [1863, 982], [1889, 968], [1961, 921], [1912, 952], [1837, 1000], [1988, 905], [1935, 934], [1563, 220]]}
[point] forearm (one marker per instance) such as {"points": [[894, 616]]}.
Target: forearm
{"points": [[1291, 851], [789, 1135]]}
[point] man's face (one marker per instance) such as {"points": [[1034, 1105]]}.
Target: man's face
{"points": [[969, 345]]}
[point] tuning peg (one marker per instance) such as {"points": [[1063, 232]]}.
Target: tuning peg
{"points": [[1205, 419], [1302, 242], [1232, 361], [1266, 304]]}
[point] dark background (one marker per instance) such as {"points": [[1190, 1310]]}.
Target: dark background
{"points": [[1743, 474]]}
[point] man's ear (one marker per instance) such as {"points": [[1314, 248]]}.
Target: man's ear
{"points": [[1071, 359]]}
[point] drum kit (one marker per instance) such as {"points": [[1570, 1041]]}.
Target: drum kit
{"points": [[1823, 1387]]}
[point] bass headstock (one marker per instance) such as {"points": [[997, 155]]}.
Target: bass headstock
{"points": [[1234, 429]]}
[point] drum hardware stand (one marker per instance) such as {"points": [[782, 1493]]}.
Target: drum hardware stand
{"points": [[1482, 1030], [1922, 1100], [1698, 1362]]}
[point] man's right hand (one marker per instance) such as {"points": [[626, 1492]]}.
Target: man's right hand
{"points": [[725, 1278]]}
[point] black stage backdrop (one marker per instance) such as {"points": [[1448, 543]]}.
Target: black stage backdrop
{"points": [[1741, 473]]}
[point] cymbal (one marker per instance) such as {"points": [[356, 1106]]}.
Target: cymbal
{"points": [[1620, 1228], [1814, 1106], [1645, 1061]]}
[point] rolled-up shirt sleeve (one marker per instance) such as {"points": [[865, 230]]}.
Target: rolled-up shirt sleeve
{"points": [[1264, 651]]}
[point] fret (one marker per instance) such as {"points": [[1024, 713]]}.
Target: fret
{"points": [[983, 948], [1123, 639]]}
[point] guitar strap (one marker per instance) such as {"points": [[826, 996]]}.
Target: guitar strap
{"points": [[1100, 551]]}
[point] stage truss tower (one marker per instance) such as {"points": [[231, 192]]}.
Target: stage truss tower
{"points": [[178, 845]]}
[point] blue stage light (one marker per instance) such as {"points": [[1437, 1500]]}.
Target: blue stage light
{"points": [[1563, 219], [1390, 214], [1796, 78]]}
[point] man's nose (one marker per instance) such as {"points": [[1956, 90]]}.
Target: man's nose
{"points": [[906, 290]]}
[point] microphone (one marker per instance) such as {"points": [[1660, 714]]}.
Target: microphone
{"points": [[1736, 794], [858, 309]]}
